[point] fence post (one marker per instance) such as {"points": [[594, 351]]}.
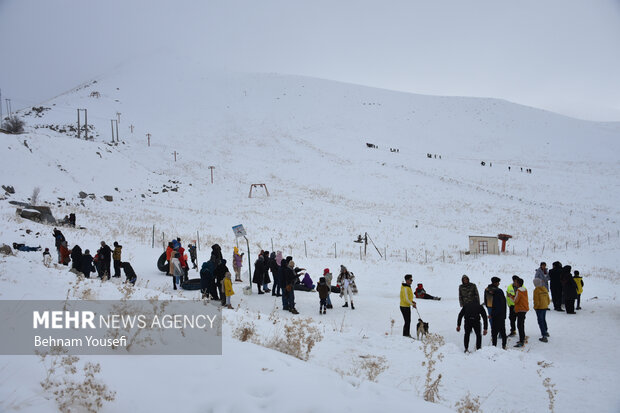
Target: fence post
{"points": [[153, 244], [335, 251], [272, 245], [305, 248], [163, 243], [425, 257], [528, 251], [443, 255], [543, 251], [385, 253], [198, 240], [406, 259], [360, 252], [567, 245]]}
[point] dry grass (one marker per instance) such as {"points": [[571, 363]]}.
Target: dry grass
{"points": [[74, 387], [431, 386], [468, 404]]}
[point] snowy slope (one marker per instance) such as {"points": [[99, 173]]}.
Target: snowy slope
{"points": [[306, 139]]}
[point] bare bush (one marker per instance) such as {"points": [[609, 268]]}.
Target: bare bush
{"points": [[73, 387], [300, 336], [245, 332], [372, 366], [431, 386], [13, 124], [468, 404]]}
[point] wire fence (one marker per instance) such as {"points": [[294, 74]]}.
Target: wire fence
{"points": [[355, 251]]}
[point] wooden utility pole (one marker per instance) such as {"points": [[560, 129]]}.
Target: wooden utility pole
{"points": [[117, 130], [112, 125], [175, 156], [148, 136], [118, 117], [212, 168]]}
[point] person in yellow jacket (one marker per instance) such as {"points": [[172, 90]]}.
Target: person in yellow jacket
{"points": [[522, 306], [406, 302], [579, 282], [228, 289], [541, 306], [510, 297]]}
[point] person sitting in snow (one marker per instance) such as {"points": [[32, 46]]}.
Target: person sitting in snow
{"points": [[421, 293], [25, 248]]}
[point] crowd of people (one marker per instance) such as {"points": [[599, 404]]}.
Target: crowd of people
{"points": [[272, 269], [566, 288], [83, 263]]}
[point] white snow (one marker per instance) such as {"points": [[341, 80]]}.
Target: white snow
{"points": [[306, 139]]}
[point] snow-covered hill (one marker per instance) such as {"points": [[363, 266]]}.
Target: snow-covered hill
{"points": [[306, 140]]}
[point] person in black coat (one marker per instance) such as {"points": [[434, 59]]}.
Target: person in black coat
{"points": [[289, 277], [259, 272], [86, 264], [472, 312], [275, 272], [555, 275], [129, 273], [105, 255], [266, 279], [569, 289], [76, 258], [498, 321], [220, 274], [216, 254], [207, 279]]}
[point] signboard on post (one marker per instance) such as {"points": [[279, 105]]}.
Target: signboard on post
{"points": [[239, 231]]}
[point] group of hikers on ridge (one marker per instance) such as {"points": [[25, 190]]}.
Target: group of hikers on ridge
{"points": [[566, 288], [83, 263]]}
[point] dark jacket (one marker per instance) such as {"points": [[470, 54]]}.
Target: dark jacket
{"points": [[76, 257], [206, 274], [129, 272], [472, 313], [569, 287], [468, 293], [499, 305], [259, 271], [58, 238], [555, 274], [220, 272], [216, 254], [86, 265], [105, 253], [323, 290]]}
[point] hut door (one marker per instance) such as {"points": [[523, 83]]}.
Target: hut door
{"points": [[483, 247]]}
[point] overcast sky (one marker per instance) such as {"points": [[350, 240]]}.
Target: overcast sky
{"points": [[560, 55]]}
